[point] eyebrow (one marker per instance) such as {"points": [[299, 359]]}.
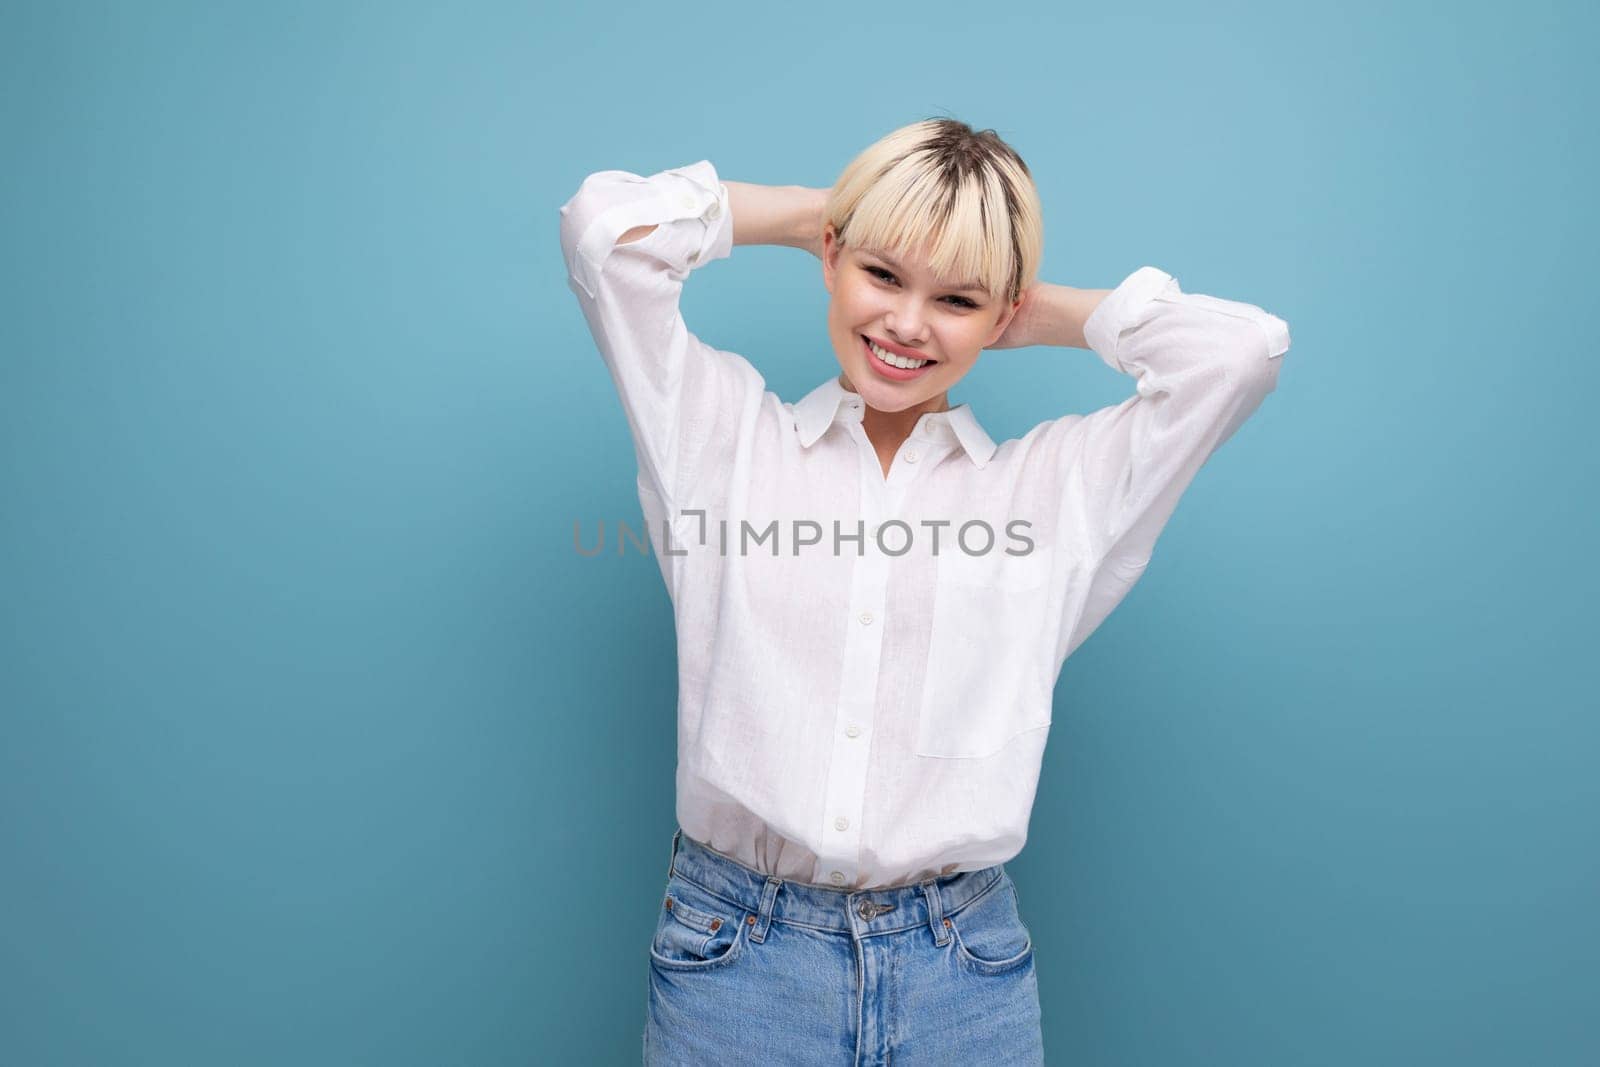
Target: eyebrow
{"points": [[969, 287]]}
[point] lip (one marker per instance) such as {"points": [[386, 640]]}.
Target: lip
{"points": [[894, 374], [899, 350]]}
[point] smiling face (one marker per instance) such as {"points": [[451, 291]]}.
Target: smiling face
{"points": [[895, 301]]}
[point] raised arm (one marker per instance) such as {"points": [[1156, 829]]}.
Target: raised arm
{"points": [[1201, 366], [684, 400], [788, 215], [1052, 315]]}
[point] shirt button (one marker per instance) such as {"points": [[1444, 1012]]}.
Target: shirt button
{"points": [[686, 202], [911, 456], [841, 823], [714, 210], [852, 730], [837, 878], [866, 618]]}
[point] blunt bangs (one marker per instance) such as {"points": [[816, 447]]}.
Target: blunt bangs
{"points": [[939, 193]]}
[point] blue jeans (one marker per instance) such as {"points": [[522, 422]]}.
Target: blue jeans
{"points": [[746, 968]]}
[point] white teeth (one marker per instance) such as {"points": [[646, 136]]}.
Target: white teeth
{"points": [[893, 360]]}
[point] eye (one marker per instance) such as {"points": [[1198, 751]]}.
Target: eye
{"points": [[885, 276]]}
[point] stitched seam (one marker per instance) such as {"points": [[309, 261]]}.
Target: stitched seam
{"points": [[985, 891], [713, 893]]}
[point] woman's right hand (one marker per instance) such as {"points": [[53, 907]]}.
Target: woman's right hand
{"points": [[812, 241], [777, 214]]}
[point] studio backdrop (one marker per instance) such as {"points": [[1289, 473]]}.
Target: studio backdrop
{"points": [[321, 742]]}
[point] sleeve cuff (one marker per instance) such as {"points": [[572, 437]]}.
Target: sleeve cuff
{"points": [[1119, 310], [686, 192], [697, 193]]}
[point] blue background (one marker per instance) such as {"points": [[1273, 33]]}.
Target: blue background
{"points": [[321, 744]]}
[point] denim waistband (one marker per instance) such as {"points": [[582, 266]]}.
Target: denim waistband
{"points": [[863, 912]]}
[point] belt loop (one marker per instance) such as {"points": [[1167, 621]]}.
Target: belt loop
{"points": [[673, 858], [769, 894], [941, 932]]}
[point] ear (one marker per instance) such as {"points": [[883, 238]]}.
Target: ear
{"points": [[830, 255], [1007, 313]]}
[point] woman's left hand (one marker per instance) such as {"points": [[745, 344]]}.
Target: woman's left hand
{"points": [[1051, 315]]}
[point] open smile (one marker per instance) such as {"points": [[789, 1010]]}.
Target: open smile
{"points": [[893, 365]]}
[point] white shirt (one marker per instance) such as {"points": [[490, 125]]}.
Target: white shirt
{"points": [[866, 717]]}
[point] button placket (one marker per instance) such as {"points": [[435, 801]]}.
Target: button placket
{"points": [[844, 792], [912, 458]]}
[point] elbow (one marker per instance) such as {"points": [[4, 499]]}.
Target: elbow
{"points": [[576, 214], [1274, 332], [596, 195], [1256, 347], [593, 196]]}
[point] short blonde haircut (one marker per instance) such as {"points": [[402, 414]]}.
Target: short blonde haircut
{"points": [[964, 197]]}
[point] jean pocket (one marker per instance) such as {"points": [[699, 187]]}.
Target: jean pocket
{"points": [[989, 934], [695, 930], [989, 653]]}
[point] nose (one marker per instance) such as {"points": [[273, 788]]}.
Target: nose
{"points": [[905, 323]]}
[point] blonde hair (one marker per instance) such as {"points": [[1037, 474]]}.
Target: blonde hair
{"points": [[965, 194]]}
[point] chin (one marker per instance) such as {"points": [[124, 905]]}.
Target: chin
{"points": [[899, 401], [884, 396]]}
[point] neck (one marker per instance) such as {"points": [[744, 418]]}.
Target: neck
{"points": [[887, 430]]}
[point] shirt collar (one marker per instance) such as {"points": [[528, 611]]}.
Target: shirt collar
{"points": [[831, 402]]}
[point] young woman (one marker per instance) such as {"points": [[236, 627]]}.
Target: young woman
{"points": [[873, 599]]}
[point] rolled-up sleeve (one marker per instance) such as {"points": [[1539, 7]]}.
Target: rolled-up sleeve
{"points": [[681, 397], [1201, 367]]}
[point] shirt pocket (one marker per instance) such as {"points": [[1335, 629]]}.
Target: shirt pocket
{"points": [[987, 679]]}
